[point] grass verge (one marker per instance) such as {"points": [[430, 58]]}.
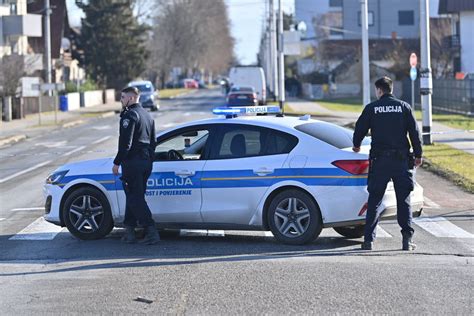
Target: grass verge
{"points": [[168, 93], [450, 163], [354, 105]]}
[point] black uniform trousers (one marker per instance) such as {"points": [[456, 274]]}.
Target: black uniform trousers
{"points": [[135, 174], [382, 169]]}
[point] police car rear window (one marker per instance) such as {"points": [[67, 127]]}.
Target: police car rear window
{"points": [[331, 134]]}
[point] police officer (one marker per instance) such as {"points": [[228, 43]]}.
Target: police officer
{"points": [[137, 144], [389, 121]]}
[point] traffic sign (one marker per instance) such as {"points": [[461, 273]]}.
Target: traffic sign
{"points": [[413, 60], [413, 73]]}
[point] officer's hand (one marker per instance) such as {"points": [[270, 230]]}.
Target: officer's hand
{"points": [[418, 162], [356, 149], [115, 169]]}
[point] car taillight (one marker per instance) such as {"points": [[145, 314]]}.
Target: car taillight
{"points": [[356, 167]]}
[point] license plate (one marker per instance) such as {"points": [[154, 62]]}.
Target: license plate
{"points": [[242, 97]]}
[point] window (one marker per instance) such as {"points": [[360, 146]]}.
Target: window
{"points": [[406, 17], [331, 134], [370, 18], [335, 3], [238, 141], [189, 144]]}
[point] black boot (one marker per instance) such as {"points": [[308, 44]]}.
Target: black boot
{"points": [[151, 236], [407, 244], [367, 245], [129, 236]]}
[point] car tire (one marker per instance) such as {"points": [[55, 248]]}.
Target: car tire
{"points": [[154, 108], [351, 231], [294, 218], [86, 214]]}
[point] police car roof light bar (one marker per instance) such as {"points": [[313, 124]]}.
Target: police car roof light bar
{"points": [[245, 110]]}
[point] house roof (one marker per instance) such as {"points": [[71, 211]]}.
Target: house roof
{"points": [[455, 6]]}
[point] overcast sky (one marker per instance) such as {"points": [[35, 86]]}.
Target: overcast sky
{"points": [[247, 17]]}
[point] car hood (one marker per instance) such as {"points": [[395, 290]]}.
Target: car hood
{"points": [[95, 166]]}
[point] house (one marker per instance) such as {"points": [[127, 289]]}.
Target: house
{"points": [[461, 38]]}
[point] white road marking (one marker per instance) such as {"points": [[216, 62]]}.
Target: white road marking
{"points": [[38, 230], [99, 128], [27, 209], [100, 140], [268, 234], [441, 227], [381, 233], [430, 203], [2, 219], [44, 163], [52, 144], [74, 150]]}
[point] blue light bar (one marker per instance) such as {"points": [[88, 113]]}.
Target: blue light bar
{"points": [[242, 110]]}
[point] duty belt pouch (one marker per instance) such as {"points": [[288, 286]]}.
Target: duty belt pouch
{"points": [[411, 161], [125, 184]]}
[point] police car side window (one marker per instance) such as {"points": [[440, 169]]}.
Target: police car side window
{"points": [[249, 141], [190, 144]]}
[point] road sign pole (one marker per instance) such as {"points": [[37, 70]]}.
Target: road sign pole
{"points": [[425, 72]]}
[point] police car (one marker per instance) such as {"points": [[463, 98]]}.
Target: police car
{"points": [[292, 176]]}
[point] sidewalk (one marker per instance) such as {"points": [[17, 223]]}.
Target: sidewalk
{"points": [[17, 130], [453, 137]]}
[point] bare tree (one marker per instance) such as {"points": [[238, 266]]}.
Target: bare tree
{"points": [[12, 69], [192, 35]]}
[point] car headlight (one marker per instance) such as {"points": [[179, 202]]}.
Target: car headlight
{"points": [[56, 177]]}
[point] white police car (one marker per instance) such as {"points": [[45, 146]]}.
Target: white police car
{"points": [[293, 176]]}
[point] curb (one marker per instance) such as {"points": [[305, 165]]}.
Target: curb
{"points": [[12, 139], [73, 123]]}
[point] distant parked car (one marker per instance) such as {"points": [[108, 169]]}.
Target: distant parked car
{"points": [[191, 84], [242, 96], [148, 94]]}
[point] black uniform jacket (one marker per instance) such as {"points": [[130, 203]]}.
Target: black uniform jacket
{"points": [[389, 121], [137, 133]]}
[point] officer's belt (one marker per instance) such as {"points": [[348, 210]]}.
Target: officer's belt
{"points": [[395, 153]]}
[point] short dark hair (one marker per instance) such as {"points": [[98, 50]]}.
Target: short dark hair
{"points": [[133, 90], [385, 84]]}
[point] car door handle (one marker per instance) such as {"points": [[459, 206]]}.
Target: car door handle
{"points": [[263, 171], [184, 173]]}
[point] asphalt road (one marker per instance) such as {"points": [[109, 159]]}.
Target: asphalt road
{"points": [[221, 272]]}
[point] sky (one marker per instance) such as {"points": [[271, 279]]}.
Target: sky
{"points": [[246, 16]]}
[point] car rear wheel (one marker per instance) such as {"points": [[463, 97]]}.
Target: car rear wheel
{"points": [[294, 218], [86, 214], [351, 231]]}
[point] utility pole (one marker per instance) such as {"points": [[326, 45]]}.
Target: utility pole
{"points": [[47, 41], [365, 53], [273, 50], [281, 59], [426, 83]]}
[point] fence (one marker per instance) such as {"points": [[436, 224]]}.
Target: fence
{"points": [[454, 96]]}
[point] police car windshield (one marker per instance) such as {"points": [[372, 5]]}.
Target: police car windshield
{"points": [[334, 135], [144, 87]]}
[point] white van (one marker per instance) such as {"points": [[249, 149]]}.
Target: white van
{"points": [[250, 76]]}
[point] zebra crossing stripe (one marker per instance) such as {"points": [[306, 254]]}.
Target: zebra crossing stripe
{"points": [[40, 229], [441, 227], [381, 233]]}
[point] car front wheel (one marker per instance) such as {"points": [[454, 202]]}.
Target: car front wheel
{"points": [[351, 231], [86, 214], [294, 218]]}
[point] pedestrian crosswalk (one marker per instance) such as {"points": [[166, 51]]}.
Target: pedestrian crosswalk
{"points": [[437, 226]]}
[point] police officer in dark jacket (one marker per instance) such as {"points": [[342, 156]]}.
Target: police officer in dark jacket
{"points": [[389, 120], [136, 148]]}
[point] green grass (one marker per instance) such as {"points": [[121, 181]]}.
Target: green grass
{"points": [[354, 105], [168, 93], [453, 164]]}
